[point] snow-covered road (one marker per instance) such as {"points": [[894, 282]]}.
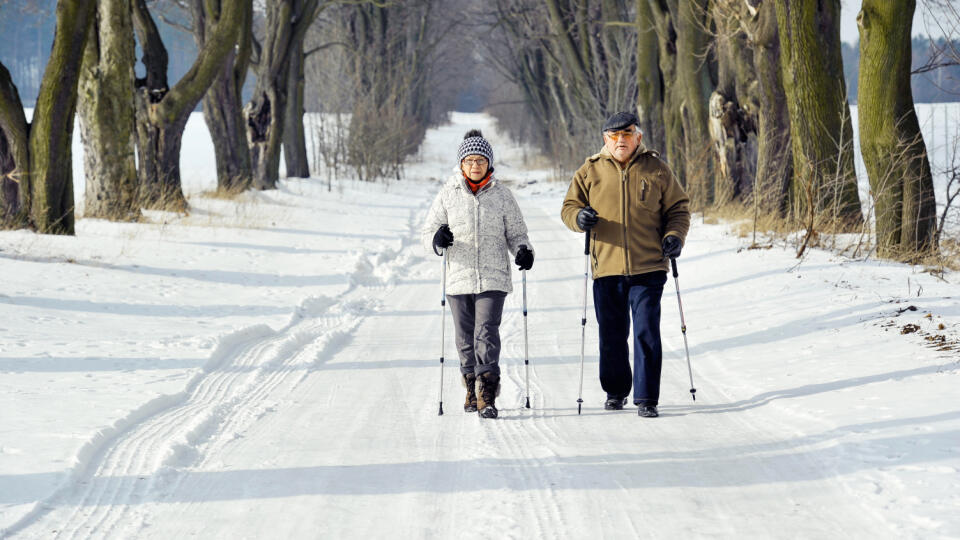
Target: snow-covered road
{"points": [[815, 417]]}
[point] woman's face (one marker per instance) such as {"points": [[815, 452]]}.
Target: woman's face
{"points": [[474, 167]]}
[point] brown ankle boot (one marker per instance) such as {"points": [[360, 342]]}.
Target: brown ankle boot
{"points": [[488, 386], [470, 383]]}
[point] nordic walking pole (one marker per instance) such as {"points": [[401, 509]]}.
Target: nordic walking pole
{"points": [[443, 320], [683, 328], [526, 354], [583, 319]]}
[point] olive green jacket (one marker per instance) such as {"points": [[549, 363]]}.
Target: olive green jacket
{"points": [[637, 205]]}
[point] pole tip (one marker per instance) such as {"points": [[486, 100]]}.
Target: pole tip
{"points": [[440, 413], [693, 393], [528, 402], [579, 404]]}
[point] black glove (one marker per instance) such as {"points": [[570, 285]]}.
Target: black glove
{"points": [[524, 258], [442, 239], [587, 218], [671, 247]]}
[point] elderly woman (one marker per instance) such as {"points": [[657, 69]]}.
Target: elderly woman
{"points": [[477, 221]]}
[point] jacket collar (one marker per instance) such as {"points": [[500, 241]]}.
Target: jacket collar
{"points": [[459, 182]]}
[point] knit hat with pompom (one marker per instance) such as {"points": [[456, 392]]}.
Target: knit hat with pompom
{"points": [[475, 145]]}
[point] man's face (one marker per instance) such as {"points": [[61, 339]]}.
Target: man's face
{"points": [[622, 142]]}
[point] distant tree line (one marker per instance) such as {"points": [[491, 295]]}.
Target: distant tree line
{"points": [[938, 85]]}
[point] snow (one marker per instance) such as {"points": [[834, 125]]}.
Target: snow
{"points": [[268, 368]]}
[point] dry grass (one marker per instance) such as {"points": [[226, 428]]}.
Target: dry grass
{"points": [[223, 194], [769, 228]]}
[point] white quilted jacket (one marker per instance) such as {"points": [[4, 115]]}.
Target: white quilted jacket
{"points": [[485, 227]]}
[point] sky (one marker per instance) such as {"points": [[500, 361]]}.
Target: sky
{"points": [[848, 22]]}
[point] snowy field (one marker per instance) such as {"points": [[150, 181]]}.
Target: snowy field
{"points": [[268, 368]]}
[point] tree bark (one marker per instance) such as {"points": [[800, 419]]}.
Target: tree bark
{"points": [[575, 59], [162, 112], [694, 88], [51, 132], [294, 139], [14, 156], [223, 101], [649, 80], [673, 141], [733, 106], [106, 107], [893, 149], [820, 126], [774, 153], [286, 27]]}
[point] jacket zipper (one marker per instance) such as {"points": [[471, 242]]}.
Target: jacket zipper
{"points": [[476, 238], [623, 208]]}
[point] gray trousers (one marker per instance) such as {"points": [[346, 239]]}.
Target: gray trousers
{"points": [[476, 318]]}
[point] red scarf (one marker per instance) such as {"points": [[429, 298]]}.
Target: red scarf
{"points": [[475, 186]]}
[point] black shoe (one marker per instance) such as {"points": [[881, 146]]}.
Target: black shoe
{"points": [[648, 411], [488, 412], [614, 404]]}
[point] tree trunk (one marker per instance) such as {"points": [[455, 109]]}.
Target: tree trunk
{"points": [[820, 125], [892, 145], [14, 156], [667, 55], [106, 107], [694, 89], [733, 107], [223, 103], [51, 132], [649, 80], [575, 60], [286, 26], [162, 113], [294, 139], [775, 153]]}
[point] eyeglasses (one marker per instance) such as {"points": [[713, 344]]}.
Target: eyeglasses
{"points": [[478, 162], [617, 135]]}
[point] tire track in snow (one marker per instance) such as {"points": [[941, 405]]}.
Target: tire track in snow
{"points": [[279, 373], [144, 452]]}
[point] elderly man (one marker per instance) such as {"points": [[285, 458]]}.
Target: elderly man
{"points": [[636, 213]]}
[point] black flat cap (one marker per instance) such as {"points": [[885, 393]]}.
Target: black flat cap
{"points": [[620, 120]]}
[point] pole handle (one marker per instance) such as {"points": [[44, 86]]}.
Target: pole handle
{"points": [[673, 263], [586, 243]]}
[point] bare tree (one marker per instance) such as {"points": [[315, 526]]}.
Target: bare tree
{"points": [[734, 105], [683, 34], [392, 54], [35, 157], [820, 126], [287, 22], [223, 102], [574, 63], [775, 152], [294, 139], [649, 80], [162, 111], [107, 121], [892, 145]]}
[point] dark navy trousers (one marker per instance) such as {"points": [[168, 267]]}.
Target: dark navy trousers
{"points": [[616, 299]]}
